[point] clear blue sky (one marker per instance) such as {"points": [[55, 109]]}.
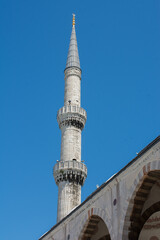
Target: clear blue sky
{"points": [[119, 48]]}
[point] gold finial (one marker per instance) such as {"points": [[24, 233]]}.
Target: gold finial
{"points": [[73, 21]]}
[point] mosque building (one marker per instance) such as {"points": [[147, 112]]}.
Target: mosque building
{"points": [[127, 206]]}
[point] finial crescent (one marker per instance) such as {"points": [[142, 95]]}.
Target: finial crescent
{"points": [[73, 21]]}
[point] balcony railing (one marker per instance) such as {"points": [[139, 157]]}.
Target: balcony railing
{"points": [[72, 109], [67, 165]]}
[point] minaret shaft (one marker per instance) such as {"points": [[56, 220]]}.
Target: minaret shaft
{"points": [[69, 197], [70, 144], [70, 173], [72, 90]]}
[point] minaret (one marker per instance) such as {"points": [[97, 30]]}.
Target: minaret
{"points": [[70, 173]]}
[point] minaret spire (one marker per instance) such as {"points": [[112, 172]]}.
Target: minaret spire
{"points": [[70, 172], [73, 56]]}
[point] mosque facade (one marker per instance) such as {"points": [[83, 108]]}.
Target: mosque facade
{"points": [[127, 206]]}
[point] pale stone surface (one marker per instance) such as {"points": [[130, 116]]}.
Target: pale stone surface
{"points": [[114, 202], [69, 196], [72, 171], [70, 143], [72, 86], [71, 119]]}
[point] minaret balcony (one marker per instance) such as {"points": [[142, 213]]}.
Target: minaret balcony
{"points": [[72, 171], [72, 115]]}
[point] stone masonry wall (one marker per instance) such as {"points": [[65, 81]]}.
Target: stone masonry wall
{"points": [[113, 203]]}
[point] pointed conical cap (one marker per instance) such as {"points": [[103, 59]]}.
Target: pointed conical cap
{"points": [[73, 57]]}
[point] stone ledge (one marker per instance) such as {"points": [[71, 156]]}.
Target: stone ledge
{"points": [[71, 171], [70, 71], [71, 115]]}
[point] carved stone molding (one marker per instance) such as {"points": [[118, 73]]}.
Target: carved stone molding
{"points": [[71, 171], [72, 71], [71, 116]]}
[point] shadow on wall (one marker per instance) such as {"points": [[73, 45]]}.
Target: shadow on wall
{"points": [[95, 229]]}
